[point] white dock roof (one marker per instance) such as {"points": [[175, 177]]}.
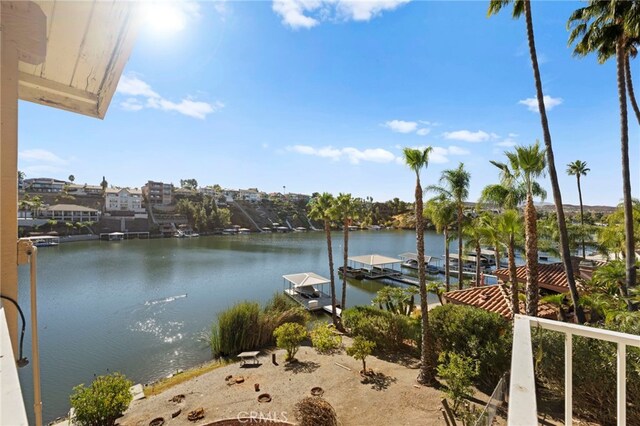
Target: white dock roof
{"points": [[414, 256], [306, 279], [374, 260]]}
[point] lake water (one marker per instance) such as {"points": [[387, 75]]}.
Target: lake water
{"points": [[141, 306]]}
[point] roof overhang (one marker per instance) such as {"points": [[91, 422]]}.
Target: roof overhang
{"points": [[306, 279], [87, 46]]}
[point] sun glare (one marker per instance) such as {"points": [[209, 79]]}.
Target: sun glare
{"points": [[163, 17]]}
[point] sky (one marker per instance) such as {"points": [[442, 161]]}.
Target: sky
{"points": [[322, 95]]}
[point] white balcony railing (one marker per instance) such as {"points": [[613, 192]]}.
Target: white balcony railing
{"points": [[12, 410], [522, 392]]}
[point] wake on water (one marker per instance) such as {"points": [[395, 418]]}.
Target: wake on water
{"points": [[165, 300]]}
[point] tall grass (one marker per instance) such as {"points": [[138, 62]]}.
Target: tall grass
{"points": [[245, 326]]}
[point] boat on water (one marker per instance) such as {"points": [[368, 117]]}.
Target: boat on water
{"points": [[300, 229], [229, 231], [115, 236], [468, 263], [186, 234], [244, 231], [410, 260], [356, 273], [282, 229], [306, 288], [44, 241]]}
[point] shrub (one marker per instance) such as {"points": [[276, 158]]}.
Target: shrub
{"points": [[314, 411], [102, 402], [361, 349], [324, 339], [594, 374], [473, 333], [289, 336], [459, 372], [245, 327], [387, 330]]}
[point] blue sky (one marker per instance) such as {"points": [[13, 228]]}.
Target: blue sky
{"points": [[322, 95]]}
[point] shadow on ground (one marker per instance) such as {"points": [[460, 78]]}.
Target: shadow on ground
{"points": [[301, 367], [378, 381]]}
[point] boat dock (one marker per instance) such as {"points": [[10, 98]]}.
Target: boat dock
{"points": [[304, 289], [117, 236]]}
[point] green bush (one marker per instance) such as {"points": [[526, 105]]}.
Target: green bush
{"points": [[387, 330], [594, 374], [245, 326], [459, 373], [324, 339], [361, 349], [474, 333], [102, 402], [289, 336]]}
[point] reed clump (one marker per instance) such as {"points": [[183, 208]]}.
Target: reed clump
{"points": [[247, 326]]}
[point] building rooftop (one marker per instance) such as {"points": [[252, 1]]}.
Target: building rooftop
{"points": [[551, 277], [70, 208], [494, 298]]}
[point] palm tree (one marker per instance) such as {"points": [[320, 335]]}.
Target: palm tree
{"points": [[490, 227], [442, 213], [418, 159], [346, 209], [579, 168], [510, 226], [454, 184], [599, 27], [525, 164], [321, 209], [520, 7], [475, 236]]}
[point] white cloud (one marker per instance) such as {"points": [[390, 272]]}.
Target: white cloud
{"points": [[507, 143], [423, 132], [41, 156], [35, 162], [131, 104], [549, 103], [469, 136], [513, 135], [309, 13], [402, 126], [353, 155], [456, 150], [133, 86]]}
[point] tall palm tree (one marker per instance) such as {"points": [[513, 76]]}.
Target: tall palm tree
{"points": [[345, 208], [490, 224], [321, 208], [579, 168], [475, 236], [526, 163], [521, 7], [442, 213], [510, 226], [417, 160], [454, 184], [602, 27]]}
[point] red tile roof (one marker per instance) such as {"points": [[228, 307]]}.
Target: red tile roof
{"points": [[494, 298], [551, 277]]}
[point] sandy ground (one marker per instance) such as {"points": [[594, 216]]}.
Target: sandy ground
{"points": [[391, 397]]}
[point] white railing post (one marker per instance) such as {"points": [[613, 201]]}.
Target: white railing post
{"points": [[622, 384], [522, 387], [568, 379]]}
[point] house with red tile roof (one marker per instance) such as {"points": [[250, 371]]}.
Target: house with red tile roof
{"points": [[494, 298]]}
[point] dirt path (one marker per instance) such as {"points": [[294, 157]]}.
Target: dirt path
{"points": [[391, 397]]}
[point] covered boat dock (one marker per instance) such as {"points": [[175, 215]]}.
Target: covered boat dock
{"points": [[306, 289]]}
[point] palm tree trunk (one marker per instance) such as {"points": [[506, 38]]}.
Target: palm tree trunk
{"points": [[446, 260], [478, 264], [345, 253], [630, 256], [531, 244], [459, 246], [513, 275], [632, 95], [584, 251], [327, 230], [553, 175], [497, 256], [427, 362]]}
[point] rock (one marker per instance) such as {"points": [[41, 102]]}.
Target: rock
{"points": [[177, 399], [196, 414]]}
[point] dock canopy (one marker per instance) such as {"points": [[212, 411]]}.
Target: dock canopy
{"points": [[305, 279], [414, 256], [464, 258], [374, 260]]}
